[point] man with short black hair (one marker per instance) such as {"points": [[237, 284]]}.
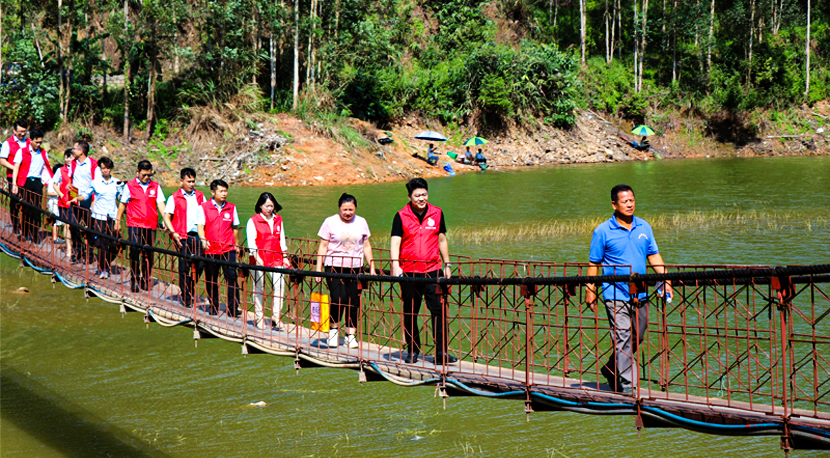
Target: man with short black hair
{"points": [[217, 223], [180, 220], [418, 245], [60, 184], [622, 241], [83, 170], [8, 152], [31, 170], [143, 200], [105, 189]]}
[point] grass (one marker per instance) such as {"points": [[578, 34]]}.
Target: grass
{"points": [[697, 220]]}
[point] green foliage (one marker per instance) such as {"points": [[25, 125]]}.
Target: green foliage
{"points": [[32, 92]]}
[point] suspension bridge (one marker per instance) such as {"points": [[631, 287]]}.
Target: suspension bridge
{"points": [[740, 351]]}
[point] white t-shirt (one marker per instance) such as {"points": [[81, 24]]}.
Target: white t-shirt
{"points": [[345, 241]]}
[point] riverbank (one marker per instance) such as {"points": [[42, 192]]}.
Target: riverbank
{"points": [[282, 150]]}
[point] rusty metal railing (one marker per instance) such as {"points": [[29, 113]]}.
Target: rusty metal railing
{"points": [[738, 345]]}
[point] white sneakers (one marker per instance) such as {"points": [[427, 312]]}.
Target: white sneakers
{"points": [[351, 341], [334, 339]]}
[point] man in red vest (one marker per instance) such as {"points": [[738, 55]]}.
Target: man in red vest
{"points": [[31, 170], [8, 152], [419, 244], [82, 171], [180, 220], [218, 225], [143, 200]]}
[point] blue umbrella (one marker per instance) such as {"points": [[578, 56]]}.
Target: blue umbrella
{"points": [[431, 135]]}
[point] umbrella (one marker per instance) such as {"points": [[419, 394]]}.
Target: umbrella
{"points": [[475, 141], [643, 131], [431, 136]]}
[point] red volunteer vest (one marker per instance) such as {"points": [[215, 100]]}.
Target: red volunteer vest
{"points": [[219, 227], [142, 210], [179, 218], [93, 166], [13, 149], [419, 244], [268, 241], [23, 173], [65, 182]]}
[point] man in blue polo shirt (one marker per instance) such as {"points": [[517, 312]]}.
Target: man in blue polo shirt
{"points": [[623, 244]]}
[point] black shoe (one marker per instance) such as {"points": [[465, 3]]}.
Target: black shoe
{"points": [[134, 288], [610, 377], [439, 359], [411, 358], [626, 389]]}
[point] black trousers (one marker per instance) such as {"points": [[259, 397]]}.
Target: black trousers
{"points": [[81, 243], [191, 245], [345, 297], [411, 295], [32, 193], [107, 248], [14, 209], [212, 283], [141, 259]]}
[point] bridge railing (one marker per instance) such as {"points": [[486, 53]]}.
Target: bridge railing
{"points": [[750, 337]]}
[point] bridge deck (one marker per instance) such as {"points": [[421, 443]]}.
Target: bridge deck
{"points": [[529, 375]]}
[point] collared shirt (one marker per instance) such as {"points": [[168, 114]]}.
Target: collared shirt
{"points": [[125, 193], [106, 192], [200, 214], [5, 150], [192, 208], [37, 168], [82, 178], [622, 251], [250, 233]]}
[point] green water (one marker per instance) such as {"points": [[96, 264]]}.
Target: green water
{"points": [[78, 380]]}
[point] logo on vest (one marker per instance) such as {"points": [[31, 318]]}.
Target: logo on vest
{"points": [[226, 216], [430, 223], [152, 193]]}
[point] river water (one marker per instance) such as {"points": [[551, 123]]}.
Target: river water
{"points": [[79, 380]]}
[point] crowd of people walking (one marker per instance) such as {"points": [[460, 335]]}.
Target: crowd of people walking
{"points": [[84, 193]]}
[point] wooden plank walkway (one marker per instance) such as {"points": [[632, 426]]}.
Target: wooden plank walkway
{"points": [[538, 391]]}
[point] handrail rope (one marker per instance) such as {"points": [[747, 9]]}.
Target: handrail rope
{"points": [[762, 274]]}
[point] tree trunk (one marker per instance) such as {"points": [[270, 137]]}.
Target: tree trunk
{"points": [[643, 38], [614, 13], [674, 42], [61, 69], [582, 25], [296, 52], [807, 52], [709, 41], [127, 74], [151, 80], [1, 42], [555, 17], [619, 29], [636, 45], [751, 35], [68, 70]]}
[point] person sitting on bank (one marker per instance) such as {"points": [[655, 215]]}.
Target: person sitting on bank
{"points": [[432, 155], [480, 159], [468, 158], [217, 223]]}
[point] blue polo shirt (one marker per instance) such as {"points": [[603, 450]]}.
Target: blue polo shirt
{"points": [[622, 251]]}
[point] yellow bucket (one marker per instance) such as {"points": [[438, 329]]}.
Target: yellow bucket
{"points": [[320, 312]]}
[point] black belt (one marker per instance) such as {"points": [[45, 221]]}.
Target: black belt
{"points": [[33, 178], [192, 234]]}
